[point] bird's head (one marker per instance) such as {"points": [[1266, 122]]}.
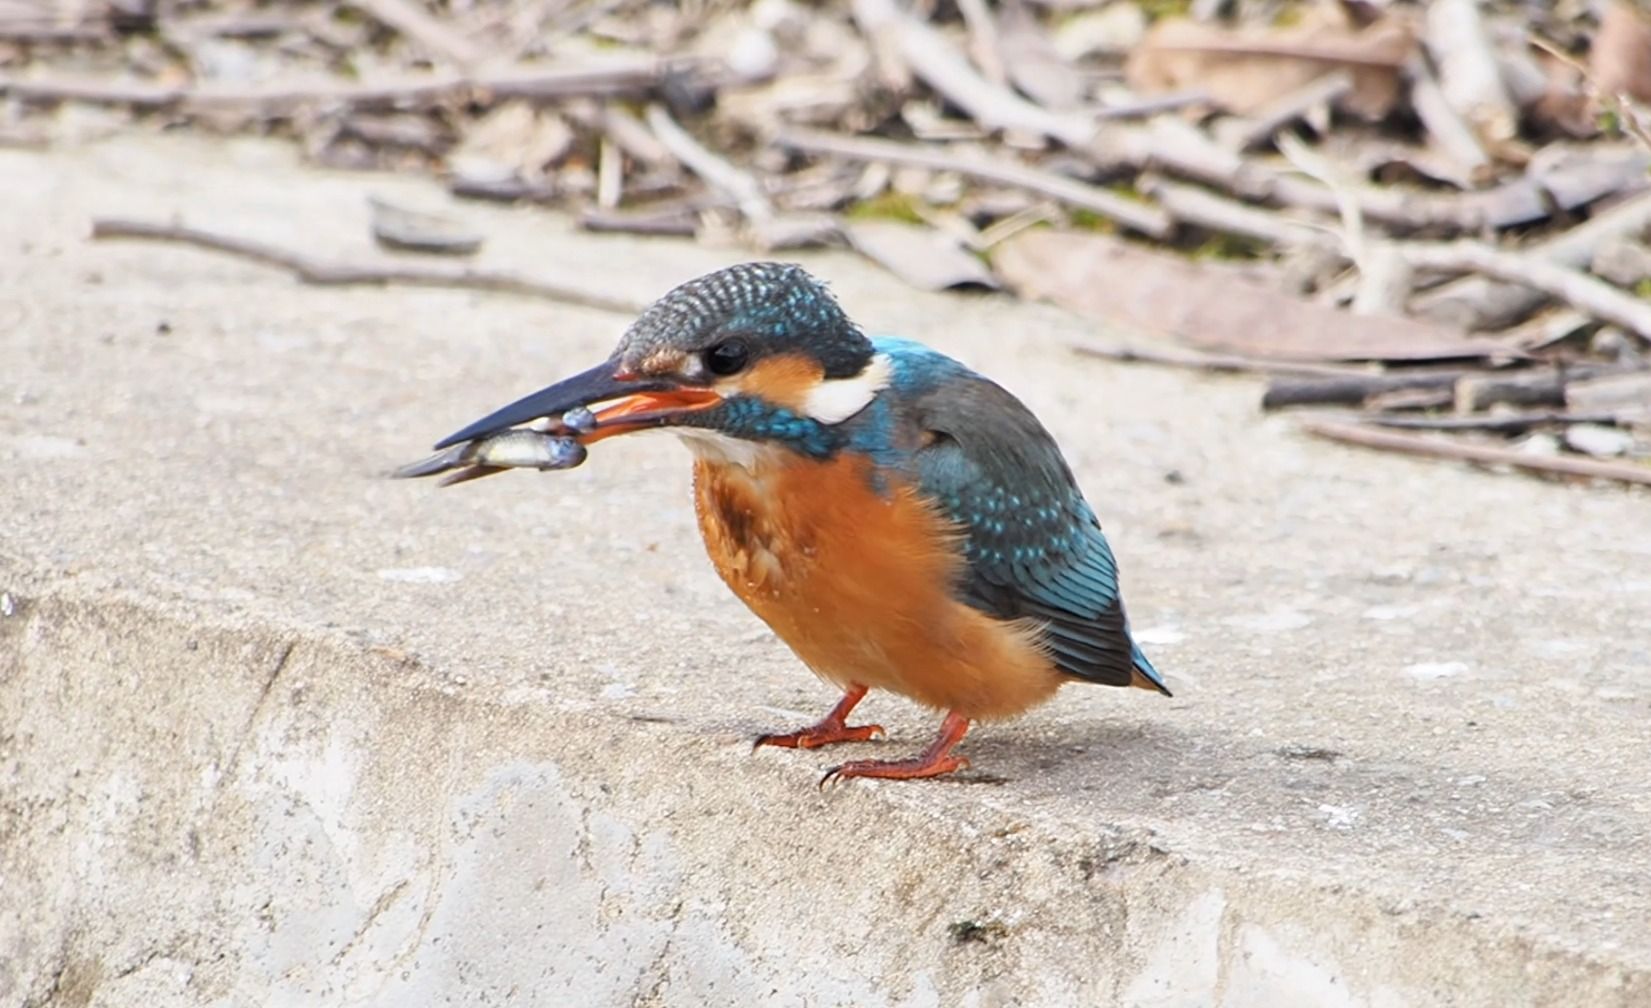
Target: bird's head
{"points": [[755, 352]]}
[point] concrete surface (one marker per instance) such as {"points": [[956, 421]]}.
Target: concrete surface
{"points": [[276, 730]]}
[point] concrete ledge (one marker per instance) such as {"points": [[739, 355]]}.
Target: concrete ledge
{"points": [[211, 814], [276, 730]]}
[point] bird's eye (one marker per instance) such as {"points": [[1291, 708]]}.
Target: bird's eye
{"points": [[728, 357]]}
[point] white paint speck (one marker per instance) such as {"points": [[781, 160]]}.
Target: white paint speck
{"points": [[618, 691], [1390, 612], [1162, 636], [420, 575], [1339, 816], [8, 605], [1426, 671], [46, 447]]}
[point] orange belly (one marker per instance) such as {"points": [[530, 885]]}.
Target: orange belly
{"points": [[858, 584]]}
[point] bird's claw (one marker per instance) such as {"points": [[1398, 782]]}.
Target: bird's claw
{"points": [[908, 769], [820, 735]]}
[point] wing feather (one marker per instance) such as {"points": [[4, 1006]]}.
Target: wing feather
{"points": [[1033, 546]]}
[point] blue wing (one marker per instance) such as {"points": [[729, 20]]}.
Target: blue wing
{"points": [[1033, 546]]}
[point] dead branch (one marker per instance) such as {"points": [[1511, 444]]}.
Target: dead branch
{"points": [[1501, 423], [985, 42], [1481, 303], [1475, 393], [946, 70], [45, 34], [1241, 134], [1472, 388], [1451, 133], [1624, 393], [1218, 363], [1470, 80], [621, 78], [1354, 389], [1184, 150], [1430, 447], [421, 27], [1143, 108], [1202, 208], [1562, 283], [1142, 217], [322, 273], [739, 185]]}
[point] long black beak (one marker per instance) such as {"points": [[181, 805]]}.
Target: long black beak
{"points": [[600, 384]]}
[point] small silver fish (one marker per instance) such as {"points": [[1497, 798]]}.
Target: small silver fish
{"points": [[511, 449]]}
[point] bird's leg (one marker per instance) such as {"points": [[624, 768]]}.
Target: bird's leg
{"points": [[831, 728], [931, 762]]}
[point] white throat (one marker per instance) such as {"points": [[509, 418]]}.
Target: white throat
{"points": [[712, 446]]}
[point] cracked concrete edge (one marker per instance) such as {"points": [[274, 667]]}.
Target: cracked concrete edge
{"points": [[210, 810]]}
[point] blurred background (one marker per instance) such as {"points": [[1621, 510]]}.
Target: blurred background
{"points": [[1450, 197]]}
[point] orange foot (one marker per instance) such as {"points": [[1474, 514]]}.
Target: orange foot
{"points": [[934, 761], [831, 729]]}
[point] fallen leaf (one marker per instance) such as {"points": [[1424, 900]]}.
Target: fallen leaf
{"points": [[1620, 58], [1564, 105], [1244, 69], [921, 256], [399, 227], [1209, 309]]}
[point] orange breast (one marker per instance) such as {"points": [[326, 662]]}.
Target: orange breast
{"points": [[858, 583]]}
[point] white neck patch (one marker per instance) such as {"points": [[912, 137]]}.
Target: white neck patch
{"points": [[835, 400], [720, 448]]}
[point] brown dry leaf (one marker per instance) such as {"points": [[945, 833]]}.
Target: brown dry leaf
{"points": [[1246, 68], [1564, 105], [1620, 57], [1210, 309], [923, 257]]}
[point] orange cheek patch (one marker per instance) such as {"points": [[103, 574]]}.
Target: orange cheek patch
{"points": [[784, 380]]}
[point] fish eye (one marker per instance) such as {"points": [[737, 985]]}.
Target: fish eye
{"points": [[727, 358]]}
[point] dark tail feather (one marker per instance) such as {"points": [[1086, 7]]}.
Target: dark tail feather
{"points": [[1143, 675]]}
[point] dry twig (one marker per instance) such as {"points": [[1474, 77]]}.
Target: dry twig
{"points": [[943, 68], [739, 185], [1483, 303], [413, 21], [1502, 423], [1220, 363], [1142, 217], [1573, 287], [322, 273], [1431, 447], [620, 78], [1200, 207]]}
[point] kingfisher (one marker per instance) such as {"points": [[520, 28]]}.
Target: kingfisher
{"points": [[901, 522]]}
